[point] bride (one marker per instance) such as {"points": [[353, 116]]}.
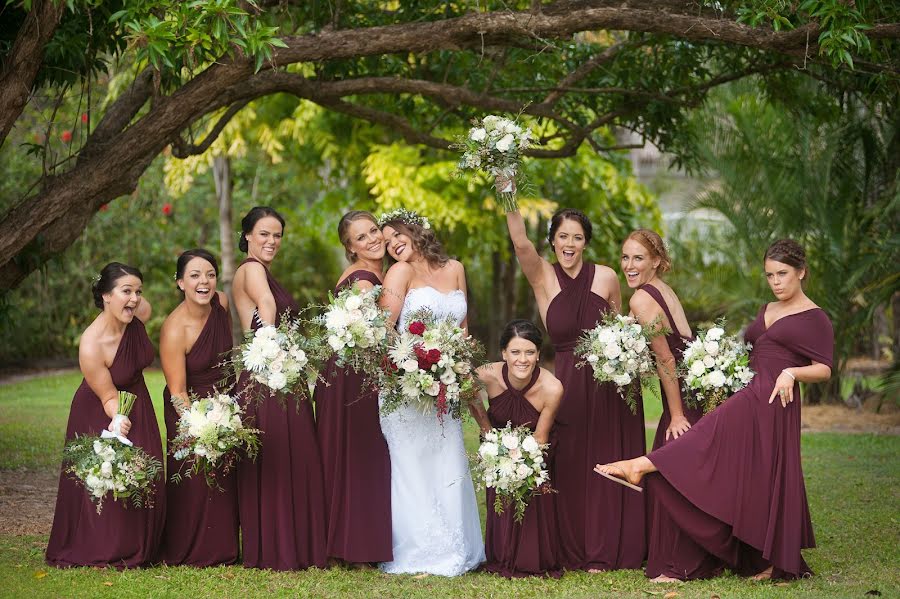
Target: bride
{"points": [[435, 523]]}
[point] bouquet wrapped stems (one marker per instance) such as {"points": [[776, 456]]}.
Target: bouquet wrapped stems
{"points": [[126, 403]]}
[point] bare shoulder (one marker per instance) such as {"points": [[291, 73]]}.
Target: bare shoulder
{"points": [[399, 271], [223, 299], [552, 384], [641, 301], [456, 265], [605, 274], [488, 373], [173, 327]]}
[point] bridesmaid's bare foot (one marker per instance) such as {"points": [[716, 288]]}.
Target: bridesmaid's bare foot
{"points": [[595, 571], [624, 472], [662, 578], [764, 575]]}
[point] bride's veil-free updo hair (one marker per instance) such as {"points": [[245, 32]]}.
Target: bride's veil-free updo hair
{"points": [[249, 221], [424, 240], [108, 278]]}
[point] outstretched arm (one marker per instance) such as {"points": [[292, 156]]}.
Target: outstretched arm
{"points": [[531, 262]]}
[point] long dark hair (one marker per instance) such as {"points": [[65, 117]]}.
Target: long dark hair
{"points": [[109, 276], [251, 218]]}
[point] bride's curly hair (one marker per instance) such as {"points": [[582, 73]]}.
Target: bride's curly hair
{"points": [[424, 240]]}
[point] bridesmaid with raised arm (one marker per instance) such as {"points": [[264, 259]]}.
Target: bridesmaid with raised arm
{"points": [[524, 394], [355, 456], [644, 258], [112, 354], [201, 521], [600, 527], [280, 495], [733, 484]]}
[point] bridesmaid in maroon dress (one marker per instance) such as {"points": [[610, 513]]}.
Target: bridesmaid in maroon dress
{"points": [[355, 456], [600, 527], [733, 484], [201, 522], [524, 394], [113, 352], [280, 495]]}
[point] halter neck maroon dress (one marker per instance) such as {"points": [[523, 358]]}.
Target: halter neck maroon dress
{"points": [[201, 522], [677, 343], [355, 460], [280, 495], [733, 484], [601, 526], [530, 547], [119, 536]]}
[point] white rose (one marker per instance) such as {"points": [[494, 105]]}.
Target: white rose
{"points": [[477, 134], [277, 381], [434, 389], [711, 347], [529, 444], [98, 447], [490, 122], [606, 335], [270, 349], [505, 142], [266, 332], [448, 376], [622, 379], [354, 302], [510, 441], [698, 368], [640, 345], [462, 368], [608, 368], [612, 351], [336, 343], [488, 449], [709, 361], [515, 454], [592, 358], [523, 471], [490, 436], [410, 365], [715, 333], [716, 378], [106, 469]]}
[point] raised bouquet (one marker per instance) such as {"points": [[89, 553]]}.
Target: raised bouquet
{"points": [[430, 365], [356, 328], [279, 358], [495, 144], [105, 465], [714, 366], [618, 351], [212, 437], [511, 462]]}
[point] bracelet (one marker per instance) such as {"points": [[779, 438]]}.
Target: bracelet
{"points": [[787, 372]]}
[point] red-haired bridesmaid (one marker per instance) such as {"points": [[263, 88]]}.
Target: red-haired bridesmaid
{"points": [[112, 353]]}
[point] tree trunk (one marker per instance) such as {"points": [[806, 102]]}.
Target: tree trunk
{"points": [[224, 185]]}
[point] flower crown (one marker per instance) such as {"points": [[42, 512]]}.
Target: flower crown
{"points": [[403, 215]]}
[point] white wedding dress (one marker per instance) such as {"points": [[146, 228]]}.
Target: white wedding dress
{"points": [[435, 522]]}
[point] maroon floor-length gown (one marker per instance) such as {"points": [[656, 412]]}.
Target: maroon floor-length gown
{"points": [[201, 521], [733, 484], [119, 536], [664, 540], [601, 526], [355, 461], [530, 547], [280, 495]]}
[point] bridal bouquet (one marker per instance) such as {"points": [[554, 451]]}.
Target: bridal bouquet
{"points": [[511, 462], [356, 328], [430, 365], [276, 357], [495, 144], [618, 350], [105, 465], [212, 436], [714, 366]]}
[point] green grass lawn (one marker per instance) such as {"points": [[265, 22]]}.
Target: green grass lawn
{"points": [[852, 482]]}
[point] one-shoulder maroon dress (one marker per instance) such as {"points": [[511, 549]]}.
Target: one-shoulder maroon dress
{"points": [[530, 547], [601, 526], [280, 495], [124, 537], [355, 460], [733, 484], [201, 521]]}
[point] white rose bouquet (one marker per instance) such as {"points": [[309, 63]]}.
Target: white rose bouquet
{"points": [[431, 365], [618, 350], [212, 436], [511, 462], [495, 144], [280, 358], [356, 328], [106, 465], [714, 366]]}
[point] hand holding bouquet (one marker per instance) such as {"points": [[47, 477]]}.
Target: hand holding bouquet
{"points": [[495, 144], [212, 436], [430, 364], [618, 350], [120, 425], [511, 462], [106, 465], [715, 366]]}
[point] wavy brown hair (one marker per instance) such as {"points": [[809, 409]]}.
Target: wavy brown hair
{"points": [[424, 240], [653, 242]]}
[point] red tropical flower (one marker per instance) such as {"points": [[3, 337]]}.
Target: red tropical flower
{"points": [[417, 327], [167, 209], [66, 136], [84, 117]]}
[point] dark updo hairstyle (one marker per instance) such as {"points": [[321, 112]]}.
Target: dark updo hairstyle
{"points": [[424, 240], [344, 226], [189, 255], [655, 246], [521, 328], [109, 276], [569, 214], [249, 221], [788, 251]]}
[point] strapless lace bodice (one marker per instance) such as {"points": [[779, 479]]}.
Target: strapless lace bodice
{"points": [[442, 305]]}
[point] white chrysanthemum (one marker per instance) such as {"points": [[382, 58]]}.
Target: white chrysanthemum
{"points": [[277, 381]]}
